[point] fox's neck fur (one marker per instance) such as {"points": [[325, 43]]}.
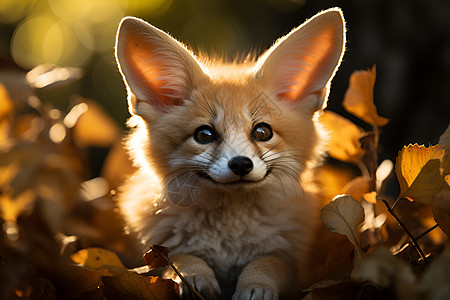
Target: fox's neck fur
{"points": [[221, 150]]}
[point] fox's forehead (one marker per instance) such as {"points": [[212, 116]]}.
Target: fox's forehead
{"points": [[233, 104]]}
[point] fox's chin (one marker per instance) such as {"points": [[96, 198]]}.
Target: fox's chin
{"points": [[235, 186]]}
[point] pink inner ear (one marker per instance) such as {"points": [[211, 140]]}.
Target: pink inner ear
{"points": [[305, 65], [314, 64], [151, 74]]}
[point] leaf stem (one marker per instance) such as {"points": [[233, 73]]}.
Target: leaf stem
{"points": [[197, 294], [411, 237], [427, 231]]}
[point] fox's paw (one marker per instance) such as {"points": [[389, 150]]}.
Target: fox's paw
{"points": [[207, 286], [256, 293]]}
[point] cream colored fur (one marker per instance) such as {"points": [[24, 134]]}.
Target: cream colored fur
{"points": [[244, 236]]}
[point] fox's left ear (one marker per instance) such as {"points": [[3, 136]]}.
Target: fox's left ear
{"points": [[299, 67]]}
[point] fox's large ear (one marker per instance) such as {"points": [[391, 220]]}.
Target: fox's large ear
{"points": [[300, 66], [156, 68]]}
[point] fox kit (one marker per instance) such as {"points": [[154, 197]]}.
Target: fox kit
{"points": [[221, 149]]}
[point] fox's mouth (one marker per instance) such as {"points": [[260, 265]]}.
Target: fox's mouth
{"points": [[240, 181]]}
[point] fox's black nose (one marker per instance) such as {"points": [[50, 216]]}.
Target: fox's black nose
{"points": [[240, 165]]}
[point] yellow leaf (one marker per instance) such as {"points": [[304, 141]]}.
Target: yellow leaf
{"points": [[344, 142], [96, 258], [418, 172], [343, 215], [371, 197], [444, 142], [358, 98]]}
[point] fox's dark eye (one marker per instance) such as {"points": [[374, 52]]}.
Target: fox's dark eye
{"points": [[262, 132], [205, 134]]}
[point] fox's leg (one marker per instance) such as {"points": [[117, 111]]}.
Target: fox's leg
{"points": [[198, 274], [264, 279]]}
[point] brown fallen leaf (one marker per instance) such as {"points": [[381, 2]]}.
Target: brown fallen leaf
{"points": [[358, 98], [343, 215], [418, 172], [344, 138], [156, 257], [127, 286]]}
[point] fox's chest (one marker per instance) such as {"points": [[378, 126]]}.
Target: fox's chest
{"points": [[229, 239]]}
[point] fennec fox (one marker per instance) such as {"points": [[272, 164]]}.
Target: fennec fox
{"points": [[221, 148]]}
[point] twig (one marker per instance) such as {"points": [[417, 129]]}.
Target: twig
{"points": [[427, 231], [411, 237], [197, 294]]}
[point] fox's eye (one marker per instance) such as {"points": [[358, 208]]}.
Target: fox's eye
{"points": [[205, 135], [262, 132]]}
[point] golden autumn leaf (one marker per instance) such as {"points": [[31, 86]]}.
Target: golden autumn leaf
{"points": [[343, 215], [444, 142], [418, 172], [96, 258], [344, 142], [358, 98]]}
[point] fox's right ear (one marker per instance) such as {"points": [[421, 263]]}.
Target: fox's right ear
{"points": [[157, 70]]}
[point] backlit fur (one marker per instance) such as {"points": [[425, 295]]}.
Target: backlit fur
{"points": [[186, 198]]}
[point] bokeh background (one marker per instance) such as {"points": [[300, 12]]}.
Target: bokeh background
{"points": [[61, 156], [408, 40]]}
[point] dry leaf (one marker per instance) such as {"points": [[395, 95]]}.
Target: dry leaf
{"points": [[418, 172], [444, 142], [358, 98], [441, 209], [156, 256], [134, 286], [96, 258], [344, 142], [343, 215]]}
